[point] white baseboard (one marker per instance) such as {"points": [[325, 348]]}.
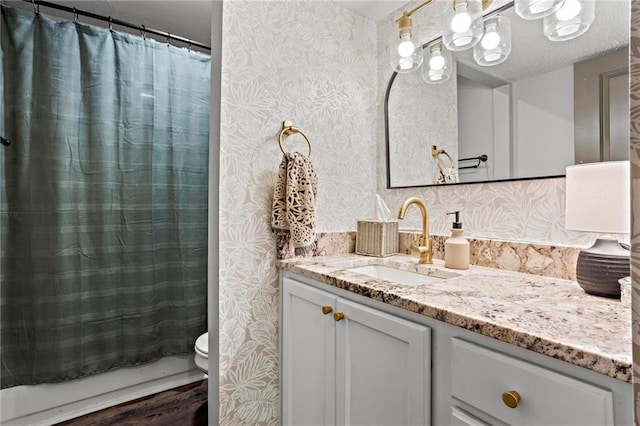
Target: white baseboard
{"points": [[48, 404]]}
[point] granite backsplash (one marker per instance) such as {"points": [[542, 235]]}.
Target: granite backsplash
{"points": [[532, 258]]}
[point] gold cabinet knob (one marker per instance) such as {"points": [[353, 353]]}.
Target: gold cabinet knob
{"points": [[338, 316], [327, 310], [511, 398]]}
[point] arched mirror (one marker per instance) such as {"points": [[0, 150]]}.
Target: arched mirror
{"points": [[549, 105]]}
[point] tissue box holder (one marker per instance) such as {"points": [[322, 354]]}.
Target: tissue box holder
{"points": [[377, 238]]}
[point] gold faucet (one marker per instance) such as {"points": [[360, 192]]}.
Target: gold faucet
{"points": [[424, 249]]}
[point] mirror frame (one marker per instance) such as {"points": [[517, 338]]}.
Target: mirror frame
{"points": [[386, 127]]}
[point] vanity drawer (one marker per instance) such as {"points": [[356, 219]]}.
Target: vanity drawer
{"points": [[480, 376], [460, 417]]}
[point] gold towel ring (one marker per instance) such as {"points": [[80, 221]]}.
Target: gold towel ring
{"points": [[435, 152], [288, 129]]}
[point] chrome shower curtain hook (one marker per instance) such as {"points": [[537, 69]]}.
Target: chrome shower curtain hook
{"points": [[143, 33], [168, 39], [110, 24], [36, 7], [75, 16]]}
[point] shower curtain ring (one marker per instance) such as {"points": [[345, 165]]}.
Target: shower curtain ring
{"points": [[143, 33], [168, 38], [75, 16], [189, 47], [36, 7], [110, 24]]}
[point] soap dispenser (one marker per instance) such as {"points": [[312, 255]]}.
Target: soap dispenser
{"points": [[456, 247]]}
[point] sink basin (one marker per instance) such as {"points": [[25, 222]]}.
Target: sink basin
{"points": [[396, 275]]}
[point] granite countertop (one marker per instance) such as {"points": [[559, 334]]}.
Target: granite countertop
{"points": [[551, 316]]}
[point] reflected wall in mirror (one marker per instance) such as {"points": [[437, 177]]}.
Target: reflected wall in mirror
{"points": [[548, 106]]}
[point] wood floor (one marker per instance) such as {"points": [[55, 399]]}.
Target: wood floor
{"points": [[183, 406]]}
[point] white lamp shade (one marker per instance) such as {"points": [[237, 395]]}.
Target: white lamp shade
{"points": [[598, 197]]}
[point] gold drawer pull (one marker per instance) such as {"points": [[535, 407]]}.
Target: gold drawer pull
{"points": [[511, 398], [338, 316], [327, 310]]}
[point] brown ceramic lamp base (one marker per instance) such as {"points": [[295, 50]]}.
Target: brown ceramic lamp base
{"points": [[601, 266]]}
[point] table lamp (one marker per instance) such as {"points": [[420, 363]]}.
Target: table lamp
{"points": [[598, 200]]}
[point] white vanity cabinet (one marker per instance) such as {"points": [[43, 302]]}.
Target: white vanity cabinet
{"points": [[344, 363], [382, 365]]}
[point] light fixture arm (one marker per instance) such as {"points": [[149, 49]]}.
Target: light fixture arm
{"points": [[416, 9], [405, 24]]}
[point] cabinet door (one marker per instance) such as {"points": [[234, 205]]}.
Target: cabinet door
{"points": [[308, 355], [383, 368]]}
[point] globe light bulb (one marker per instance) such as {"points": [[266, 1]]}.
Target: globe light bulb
{"points": [[406, 46], [569, 10], [491, 38], [437, 61], [461, 21]]}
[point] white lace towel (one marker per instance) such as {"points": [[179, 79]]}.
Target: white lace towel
{"points": [[447, 175], [294, 199]]}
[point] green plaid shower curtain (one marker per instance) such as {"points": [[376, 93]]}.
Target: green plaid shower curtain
{"points": [[103, 199]]}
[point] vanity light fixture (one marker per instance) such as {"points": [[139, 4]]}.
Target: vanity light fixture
{"points": [[490, 38], [437, 68], [570, 21], [495, 45], [598, 200]]}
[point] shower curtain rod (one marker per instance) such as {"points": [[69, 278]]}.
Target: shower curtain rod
{"points": [[144, 30]]}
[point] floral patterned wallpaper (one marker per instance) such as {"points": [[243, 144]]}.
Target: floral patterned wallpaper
{"points": [[317, 64], [312, 63], [524, 211]]}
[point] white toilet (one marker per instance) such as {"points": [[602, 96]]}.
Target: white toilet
{"points": [[202, 352]]}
